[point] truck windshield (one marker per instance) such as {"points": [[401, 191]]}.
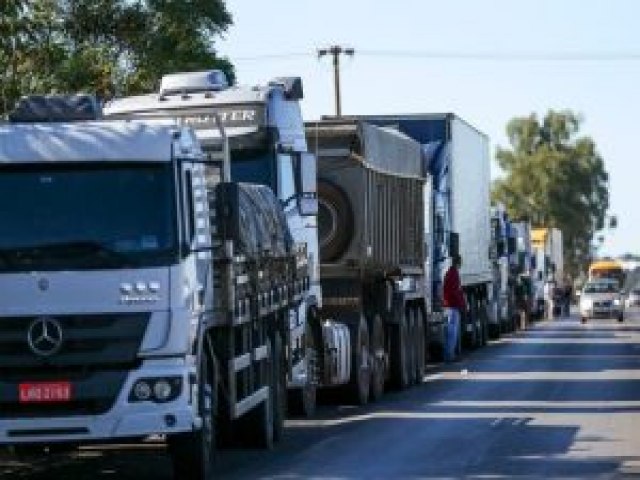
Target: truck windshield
{"points": [[83, 217]]}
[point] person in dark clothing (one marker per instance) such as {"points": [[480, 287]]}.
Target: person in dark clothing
{"points": [[522, 301], [454, 304]]}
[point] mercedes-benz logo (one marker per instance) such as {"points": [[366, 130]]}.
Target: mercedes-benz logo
{"points": [[44, 336]]}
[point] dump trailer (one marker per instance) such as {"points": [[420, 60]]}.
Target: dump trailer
{"points": [[456, 157], [167, 310], [373, 225]]}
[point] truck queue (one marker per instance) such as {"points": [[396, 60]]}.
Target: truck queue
{"points": [[197, 262]]}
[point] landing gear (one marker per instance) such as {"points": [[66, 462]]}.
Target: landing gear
{"points": [[378, 358]]}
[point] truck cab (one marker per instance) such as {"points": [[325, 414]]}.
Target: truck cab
{"points": [[99, 280]]}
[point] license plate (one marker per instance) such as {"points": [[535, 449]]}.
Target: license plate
{"points": [[44, 392]]}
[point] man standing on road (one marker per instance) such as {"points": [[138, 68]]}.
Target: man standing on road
{"points": [[549, 291], [454, 305]]}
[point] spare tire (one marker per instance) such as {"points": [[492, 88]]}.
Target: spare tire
{"points": [[335, 221]]}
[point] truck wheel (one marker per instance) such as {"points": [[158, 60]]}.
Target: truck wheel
{"points": [[621, 318], [358, 387], [302, 401], [335, 220], [193, 454], [378, 358], [279, 388], [583, 319], [413, 347], [420, 345], [399, 340]]}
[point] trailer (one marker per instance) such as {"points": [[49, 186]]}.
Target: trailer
{"points": [[456, 157], [398, 196], [373, 256]]}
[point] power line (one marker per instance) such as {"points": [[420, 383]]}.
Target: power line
{"points": [[506, 56], [272, 56], [471, 56]]}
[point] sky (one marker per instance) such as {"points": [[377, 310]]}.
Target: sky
{"points": [[280, 37]]}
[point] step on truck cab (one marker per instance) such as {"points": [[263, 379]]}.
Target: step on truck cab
{"points": [[143, 293]]}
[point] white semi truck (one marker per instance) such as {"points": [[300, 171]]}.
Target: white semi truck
{"points": [[143, 291]]}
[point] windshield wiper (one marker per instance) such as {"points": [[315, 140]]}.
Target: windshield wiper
{"points": [[61, 251]]}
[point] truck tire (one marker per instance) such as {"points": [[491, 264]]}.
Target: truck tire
{"points": [[359, 385], [279, 387], [412, 344], [302, 401], [335, 220], [399, 340], [378, 357], [193, 454], [420, 344]]}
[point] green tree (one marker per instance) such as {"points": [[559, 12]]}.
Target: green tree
{"points": [[110, 47], [555, 178]]}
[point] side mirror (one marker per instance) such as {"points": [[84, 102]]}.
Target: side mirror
{"points": [[308, 198]]}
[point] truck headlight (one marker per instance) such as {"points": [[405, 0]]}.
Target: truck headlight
{"points": [[162, 390], [158, 390], [617, 302]]}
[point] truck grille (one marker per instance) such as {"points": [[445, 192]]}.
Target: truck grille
{"points": [[96, 354], [603, 304], [88, 341]]}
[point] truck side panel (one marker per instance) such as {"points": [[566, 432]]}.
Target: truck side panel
{"points": [[470, 179]]}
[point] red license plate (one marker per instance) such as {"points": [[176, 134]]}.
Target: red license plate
{"points": [[45, 392]]}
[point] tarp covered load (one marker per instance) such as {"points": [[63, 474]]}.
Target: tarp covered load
{"points": [[56, 108], [252, 217], [391, 151]]}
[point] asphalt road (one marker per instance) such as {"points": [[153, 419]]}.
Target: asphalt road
{"points": [[559, 401]]}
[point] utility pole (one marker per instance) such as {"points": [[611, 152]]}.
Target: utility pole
{"points": [[335, 51]]}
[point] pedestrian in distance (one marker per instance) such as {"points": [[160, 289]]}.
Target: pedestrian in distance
{"points": [[454, 305], [549, 292]]}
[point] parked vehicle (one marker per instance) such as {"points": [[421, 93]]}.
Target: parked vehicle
{"points": [[633, 298], [504, 255], [173, 308], [402, 194], [601, 298]]}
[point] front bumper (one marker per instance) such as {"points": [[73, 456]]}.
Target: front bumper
{"points": [[123, 420]]}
